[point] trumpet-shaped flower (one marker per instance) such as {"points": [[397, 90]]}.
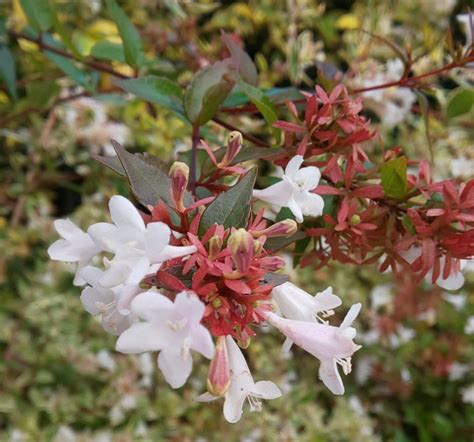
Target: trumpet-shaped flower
{"points": [[136, 246], [294, 190], [242, 386], [331, 345], [98, 300], [74, 246], [172, 328]]}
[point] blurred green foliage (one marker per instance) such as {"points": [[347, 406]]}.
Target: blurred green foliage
{"points": [[58, 368]]}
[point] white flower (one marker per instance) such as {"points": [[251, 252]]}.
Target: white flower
{"points": [[75, 246], [469, 327], [136, 246], [380, 296], [457, 301], [295, 303], [466, 20], [294, 190], [242, 386], [331, 345], [468, 394], [98, 300], [455, 279], [457, 371], [173, 328]]}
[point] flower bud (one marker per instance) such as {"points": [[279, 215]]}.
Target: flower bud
{"points": [[218, 379], [179, 174], [234, 144], [283, 228], [355, 219], [241, 244], [215, 245]]}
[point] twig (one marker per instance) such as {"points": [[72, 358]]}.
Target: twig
{"points": [[195, 144]]}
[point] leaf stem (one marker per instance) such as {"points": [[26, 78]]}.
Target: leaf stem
{"points": [[195, 144]]}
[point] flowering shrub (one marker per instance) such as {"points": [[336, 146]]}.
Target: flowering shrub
{"points": [[195, 264]]}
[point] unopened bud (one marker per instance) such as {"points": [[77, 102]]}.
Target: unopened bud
{"points": [[272, 263], [241, 244], [234, 144], [215, 245], [179, 174], [283, 228], [218, 379]]}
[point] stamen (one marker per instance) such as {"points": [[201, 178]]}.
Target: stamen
{"points": [[255, 403], [346, 364]]}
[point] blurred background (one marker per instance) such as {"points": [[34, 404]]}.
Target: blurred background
{"points": [[413, 380]]}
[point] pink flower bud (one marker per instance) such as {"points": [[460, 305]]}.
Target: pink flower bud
{"points": [[215, 245], [218, 379], [272, 263], [283, 228], [234, 144], [179, 174], [241, 244]]}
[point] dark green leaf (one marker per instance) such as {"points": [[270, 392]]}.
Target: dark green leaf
{"points": [[132, 44], [7, 70], [147, 181], [460, 103], [232, 207], [300, 247], [275, 244], [283, 214], [394, 178], [159, 90], [207, 91], [106, 50], [39, 14], [242, 60], [112, 163]]}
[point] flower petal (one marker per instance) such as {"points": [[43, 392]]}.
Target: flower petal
{"points": [[139, 338], [310, 204], [124, 213], [233, 403], [279, 193], [293, 166], [157, 237], [453, 282], [175, 368], [307, 178], [330, 376], [326, 300], [351, 315], [206, 397], [151, 305], [202, 341], [67, 229], [61, 250], [266, 390], [171, 252]]}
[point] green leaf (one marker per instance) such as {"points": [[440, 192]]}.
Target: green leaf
{"points": [[132, 44], [300, 247], [41, 94], [275, 244], [460, 103], [112, 163], [106, 50], [8, 71], [394, 178], [240, 58], [147, 181], [159, 90], [232, 207], [263, 103], [284, 213], [39, 14], [207, 91]]}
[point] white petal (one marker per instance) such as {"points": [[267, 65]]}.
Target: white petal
{"points": [[104, 236], [175, 368], [124, 213], [139, 338], [206, 397], [329, 374], [307, 178], [139, 270], [266, 390], [91, 275], [351, 315], [170, 252], [61, 250], [309, 203], [286, 347], [67, 229], [295, 209], [326, 300], [151, 305], [237, 361], [293, 166], [125, 296], [157, 237], [202, 341], [90, 297], [279, 193], [454, 281], [233, 403], [190, 306], [115, 274]]}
